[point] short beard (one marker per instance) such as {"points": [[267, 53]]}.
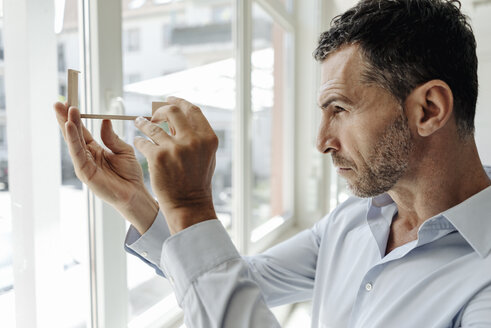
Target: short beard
{"points": [[385, 164]]}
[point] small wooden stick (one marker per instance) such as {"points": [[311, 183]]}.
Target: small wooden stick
{"points": [[112, 117], [72, 81], [155, 105]]}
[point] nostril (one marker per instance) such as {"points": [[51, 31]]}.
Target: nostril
{"points": [[328, 150], [323, 149]]}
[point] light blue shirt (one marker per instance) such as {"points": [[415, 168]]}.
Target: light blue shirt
{"points": [[441, 279]]}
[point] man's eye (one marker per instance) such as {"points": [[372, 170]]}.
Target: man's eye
{"points": [[338, 109]]}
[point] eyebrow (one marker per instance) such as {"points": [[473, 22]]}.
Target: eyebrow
{"points": [[332, 99]]}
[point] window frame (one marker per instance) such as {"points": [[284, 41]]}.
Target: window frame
{"points": [[266, 234], [34, 173]]}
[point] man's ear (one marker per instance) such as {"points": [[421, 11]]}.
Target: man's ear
{"points": [[429, 107]]}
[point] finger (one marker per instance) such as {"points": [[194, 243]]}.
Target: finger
{"points": [[78, 122], [112, 140], [61, 116], [161, 119], [74, 116], [174, 116], [196, 118], [182, 103], [152, 130], [144, 146], [78, 153]]}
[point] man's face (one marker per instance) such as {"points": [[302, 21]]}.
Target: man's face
{"points": [[363, 126]]}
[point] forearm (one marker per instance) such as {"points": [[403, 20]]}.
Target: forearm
{"points": [[140, 211]]}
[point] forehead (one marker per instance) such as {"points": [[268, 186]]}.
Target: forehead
{"points": [[342, 68]]}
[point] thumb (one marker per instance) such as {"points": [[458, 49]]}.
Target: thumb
{"points": [[111, 139]]}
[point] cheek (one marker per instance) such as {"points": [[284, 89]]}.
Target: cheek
{"points": [[352, 148], [358, 139]]}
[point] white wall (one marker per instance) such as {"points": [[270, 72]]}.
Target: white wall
{"points": [[480, 13]]}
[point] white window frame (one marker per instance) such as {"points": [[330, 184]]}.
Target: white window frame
{"points": [[34, 173], [261, 237]]}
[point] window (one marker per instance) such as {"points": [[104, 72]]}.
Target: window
{"points": [[222, 138], [271, 50], [73, 209], [201, 69], [132, 78], [221, 13], [1, 45], [166, 35], [6, 271], [132, 40], [71, 243], [2, 93], [2, 135], [43, 245], [61, 58]]}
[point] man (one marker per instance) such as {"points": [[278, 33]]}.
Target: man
{"points": [[411, 249]]}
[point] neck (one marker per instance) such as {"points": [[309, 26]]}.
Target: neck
{"points": [[437, 180]]}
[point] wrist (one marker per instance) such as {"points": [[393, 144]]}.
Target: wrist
{"points": [[141, 211], [180, 218]]}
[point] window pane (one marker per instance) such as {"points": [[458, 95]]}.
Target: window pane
{"points": [[288, 4], [73, 216], [185, 49], [73, 209], [7, 292], [269, 77]]}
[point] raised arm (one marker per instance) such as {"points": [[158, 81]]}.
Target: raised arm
{"points": [[113, 175], [211, 281]]}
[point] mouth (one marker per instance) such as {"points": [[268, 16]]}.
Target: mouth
{"points": [[342, 170]]}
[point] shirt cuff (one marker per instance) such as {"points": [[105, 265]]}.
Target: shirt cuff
{"points": [[194, 251], [149, 245]]}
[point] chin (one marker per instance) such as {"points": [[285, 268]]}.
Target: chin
{"points": [[367, 191]]}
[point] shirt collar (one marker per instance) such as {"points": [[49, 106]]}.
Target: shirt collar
{"points": [[381, 200], [472, 220]]}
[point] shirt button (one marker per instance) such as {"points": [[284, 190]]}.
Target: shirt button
{"points": [[144, 254], [368, 286]]}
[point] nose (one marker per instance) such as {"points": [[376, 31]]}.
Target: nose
{"points": [[326, 140]]}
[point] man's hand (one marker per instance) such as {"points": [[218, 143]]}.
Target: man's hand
{"points": [[181, 165], [113, 175]]}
